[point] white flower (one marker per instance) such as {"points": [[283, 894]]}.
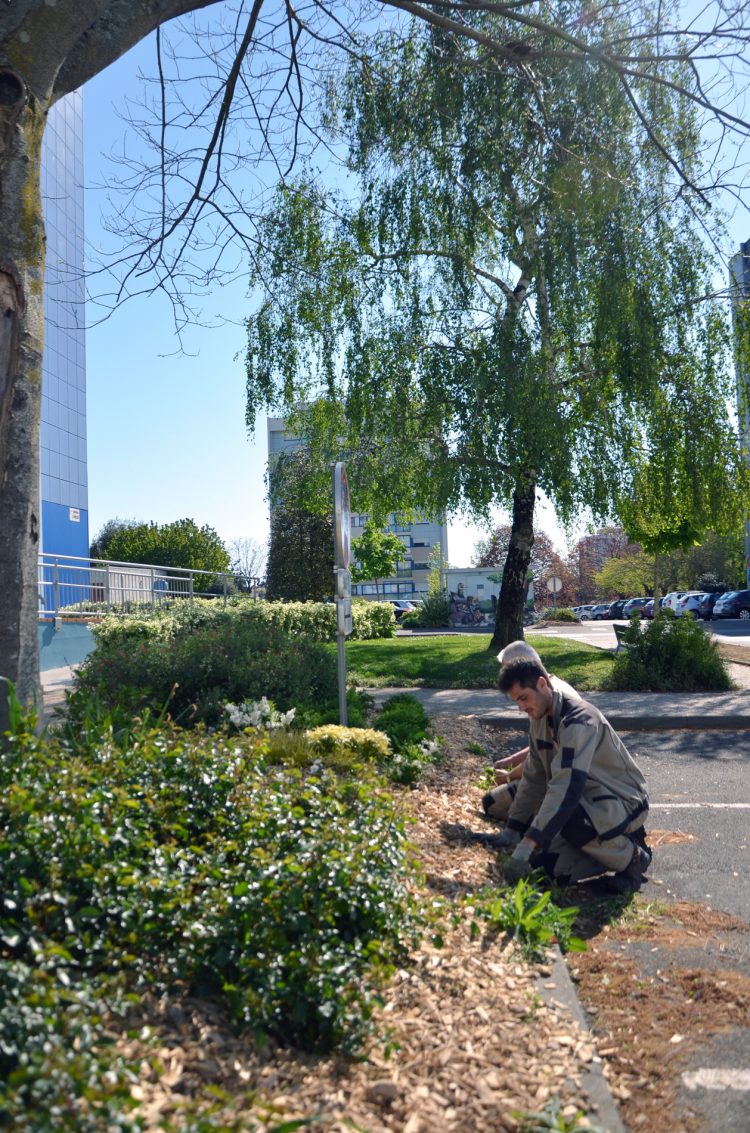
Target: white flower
{"points": [[258, 714]]}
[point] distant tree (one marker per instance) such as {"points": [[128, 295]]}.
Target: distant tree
{"points": [[625, 576], [99, 548], [376, 553], [300, 554], [493, 550], [249, 559], [178, 544], [438, 565], [710, 584]]}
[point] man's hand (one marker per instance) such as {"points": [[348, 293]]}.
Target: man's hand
{"points": [[506, 839], [519, 865]]}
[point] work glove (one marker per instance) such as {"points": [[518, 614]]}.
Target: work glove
{"points": [[519, 865], [506, 839]]}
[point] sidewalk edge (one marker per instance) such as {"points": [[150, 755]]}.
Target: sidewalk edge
{"points": [[593, 1081]]}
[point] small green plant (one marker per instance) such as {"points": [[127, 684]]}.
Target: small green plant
{"points": [[476, 749], [487, 780], [527, 913], [408, 764], [553, 1119]]}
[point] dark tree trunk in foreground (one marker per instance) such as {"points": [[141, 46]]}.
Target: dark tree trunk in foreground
{"points": [[512, 600], [48, 48]]}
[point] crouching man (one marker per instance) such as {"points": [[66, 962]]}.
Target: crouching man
{"points": [[581, 801]]}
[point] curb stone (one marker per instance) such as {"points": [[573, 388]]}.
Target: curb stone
{"points": [[558, 990]]}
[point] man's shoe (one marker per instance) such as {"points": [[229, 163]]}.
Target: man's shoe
{"points": [[630, 879]]}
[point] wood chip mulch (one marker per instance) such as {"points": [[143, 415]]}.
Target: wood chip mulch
{"points": [[465, 1041]]}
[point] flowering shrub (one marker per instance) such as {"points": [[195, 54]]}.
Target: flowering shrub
{"points": [[258, 714], [408, 764], [363, 742]]}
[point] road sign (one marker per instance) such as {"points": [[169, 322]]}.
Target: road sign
{"points": [[554, 585]]}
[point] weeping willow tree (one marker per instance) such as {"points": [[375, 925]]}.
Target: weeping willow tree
{"points": [[514, 297]]}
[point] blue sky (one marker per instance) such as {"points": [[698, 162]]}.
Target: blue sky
{"points": [[166, 430]]}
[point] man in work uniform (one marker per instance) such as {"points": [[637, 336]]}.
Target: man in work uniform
{"points": [[581, 801], [508, 771]]}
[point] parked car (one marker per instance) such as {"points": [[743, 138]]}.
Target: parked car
{"points": [[634, 606], [600, 611], [648, 610], [584, 612], [689, 603], [735, 604], [402, 606], [670, 600], [707, 603], [615, 608]]}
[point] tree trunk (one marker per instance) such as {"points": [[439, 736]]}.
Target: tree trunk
{"points": [[514, 587], [21, 318]]}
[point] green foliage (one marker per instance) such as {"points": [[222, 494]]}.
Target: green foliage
{"points": [[602, 377], [434, 613], [670, 655], [178, 544], [625, 576], [529, 915], [552, 1120], [437, 563], [99, 548], [376, 553], [558, 614], [406, 724], [363, 743], [403, 719], [196, 661], [183, 861], [300, 553]]}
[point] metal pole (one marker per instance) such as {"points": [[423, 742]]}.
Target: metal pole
{"points": [[55, 588], [341, 658]]}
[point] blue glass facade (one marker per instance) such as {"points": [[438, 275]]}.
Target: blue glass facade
{"points": [[64, 479]]}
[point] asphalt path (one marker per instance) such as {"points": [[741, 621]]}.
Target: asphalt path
{"points": [[699, 784]]}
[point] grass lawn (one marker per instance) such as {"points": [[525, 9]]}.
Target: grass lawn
{"points": [[464, 662]]}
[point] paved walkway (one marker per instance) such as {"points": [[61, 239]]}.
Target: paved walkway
{"points": [[624, 710]]}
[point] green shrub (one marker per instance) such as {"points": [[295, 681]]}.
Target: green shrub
{"points": [[411, 620], [403, 719], [563, 614], [197, 664], [670, 655], [434, 612], [183, 861]]}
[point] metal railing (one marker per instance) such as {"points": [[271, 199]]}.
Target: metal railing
{"points": [[77, 587]]}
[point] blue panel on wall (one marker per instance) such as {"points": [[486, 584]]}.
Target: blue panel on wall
{"points": [[62, 535]]}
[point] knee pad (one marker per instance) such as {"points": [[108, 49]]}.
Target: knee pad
{"points": [[487, 802]]}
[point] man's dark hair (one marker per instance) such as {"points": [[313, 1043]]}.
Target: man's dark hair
{"points": [[521, 672]]}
